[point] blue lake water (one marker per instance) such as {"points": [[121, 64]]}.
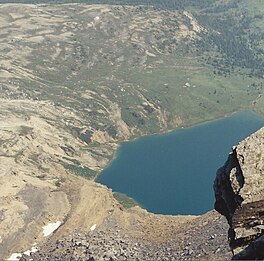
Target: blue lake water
{"points": [[173, 173]]}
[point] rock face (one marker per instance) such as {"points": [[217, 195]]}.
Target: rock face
{"points": [[239, 193], [255, 251]]}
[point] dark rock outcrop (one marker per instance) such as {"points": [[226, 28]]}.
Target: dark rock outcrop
{"points": [[255, 251], [239, 193]]}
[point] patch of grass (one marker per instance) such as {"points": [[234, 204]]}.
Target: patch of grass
{"points": [[74, 161], [188, 89], [80, 170], [25, 130], [124, 200]]}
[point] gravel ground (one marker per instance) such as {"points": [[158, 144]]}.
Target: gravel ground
{"points": [[203, 239]]}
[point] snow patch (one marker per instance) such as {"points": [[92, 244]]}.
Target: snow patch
{"points": [[17, 256], [93, 227], [32, 250], [50, 228], [14, 257]]}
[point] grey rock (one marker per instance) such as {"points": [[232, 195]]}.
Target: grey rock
{"points": [[239, 192]]}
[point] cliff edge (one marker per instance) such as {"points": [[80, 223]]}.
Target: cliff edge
{"points": [[239, 193]]}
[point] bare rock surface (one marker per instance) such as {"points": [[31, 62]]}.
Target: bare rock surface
{"points": [[253, 252], [239, 192]]}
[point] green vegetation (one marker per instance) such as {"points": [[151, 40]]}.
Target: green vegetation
{"points": [[124, 200], [234, 39], [172, 65], [80, 170], [25, 130], [167, 4]]}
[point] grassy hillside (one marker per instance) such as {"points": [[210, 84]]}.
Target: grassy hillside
{"points": [[168, 4], [122, 71]]}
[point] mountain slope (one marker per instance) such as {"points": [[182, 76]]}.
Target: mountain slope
{"points": [[77, 79]]}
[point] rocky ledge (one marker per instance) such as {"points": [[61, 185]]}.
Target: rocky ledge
{"points": [[239, 193]]}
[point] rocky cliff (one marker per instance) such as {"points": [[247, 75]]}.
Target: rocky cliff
{"points": [[239, 193]]}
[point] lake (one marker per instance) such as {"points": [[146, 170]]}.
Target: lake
{"points": [[173, 173]]}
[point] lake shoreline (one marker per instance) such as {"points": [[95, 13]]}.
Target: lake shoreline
{"points": [[168, 131], [200, 150]]}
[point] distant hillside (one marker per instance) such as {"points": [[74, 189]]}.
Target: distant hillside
{"points": [[176, 4]]}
